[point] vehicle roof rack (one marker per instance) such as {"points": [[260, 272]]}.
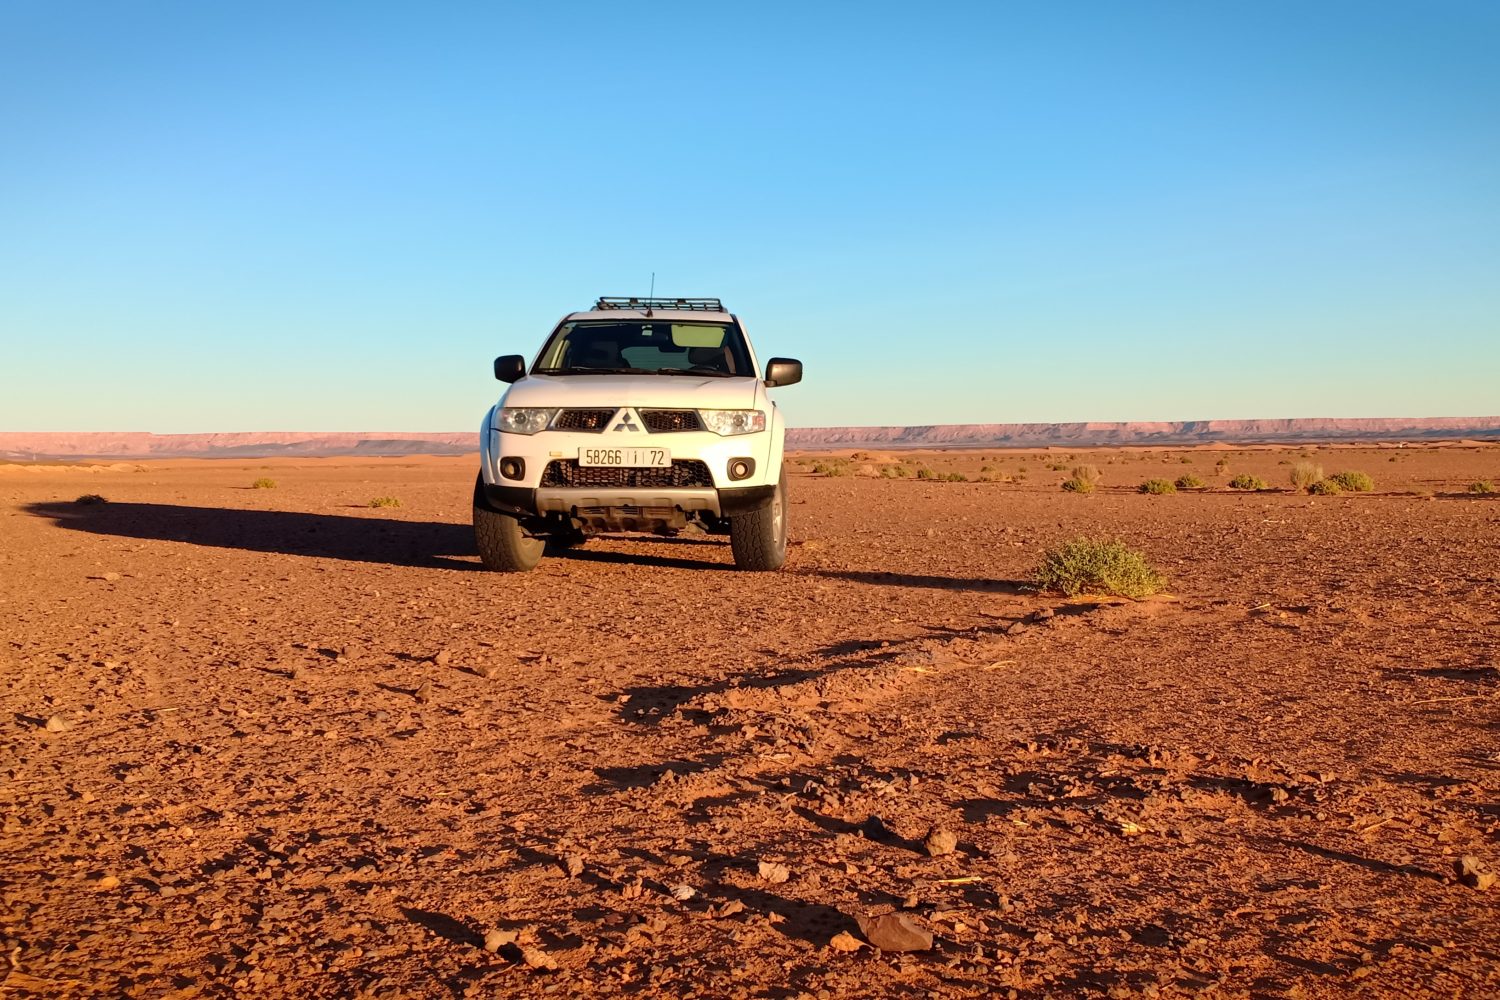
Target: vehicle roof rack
{"points": [[692, 305]]}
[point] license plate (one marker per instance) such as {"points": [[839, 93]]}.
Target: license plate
{"points": [[628, 458]]}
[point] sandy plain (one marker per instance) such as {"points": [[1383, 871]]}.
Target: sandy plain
{"points": [[277, 742]]}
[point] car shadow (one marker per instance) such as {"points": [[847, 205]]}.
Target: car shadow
{"points": [[423, 544], [372, 539]]}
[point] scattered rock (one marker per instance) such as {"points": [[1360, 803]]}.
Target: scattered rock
{"points": [[496, 939], [1472, 874], [874, 828], [846, 942], [729, 909], [423, 693], [573, 865], [488, 671], [106, 577], [538, 959], [894, 932], [57, 724], [443, 657], [683, 893], [108, 882], [771, 872], [940, 842]]}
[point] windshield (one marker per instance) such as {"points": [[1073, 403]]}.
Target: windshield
{"points": [[644, 346]]}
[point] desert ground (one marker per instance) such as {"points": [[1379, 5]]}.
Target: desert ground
{"points": [[278, 742]]}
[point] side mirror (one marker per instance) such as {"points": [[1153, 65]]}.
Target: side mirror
{"points": [[783, 371], [510, 367]]}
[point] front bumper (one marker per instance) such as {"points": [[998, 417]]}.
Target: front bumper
{"points": [[526, 501]]}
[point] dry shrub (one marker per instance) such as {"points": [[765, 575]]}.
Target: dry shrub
{"points": [[1189, 482], [1158, 487], [1304, 474]]}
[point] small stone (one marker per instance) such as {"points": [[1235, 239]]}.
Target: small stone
{"points": [[845, 942], [538, 959], [496, 939], [683, 893], [57, 724], [771, 872], [940, 842], [730, 908], [443, 657], [1471, 872], [894, 932], [108, 882], [423, 693], [489, 671], [573, 865]]}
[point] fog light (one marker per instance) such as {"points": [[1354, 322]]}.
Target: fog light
{"points": [[513, 468], [741, 468]]}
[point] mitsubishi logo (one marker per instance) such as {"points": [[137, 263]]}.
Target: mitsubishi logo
{"points": [[627, 423]]}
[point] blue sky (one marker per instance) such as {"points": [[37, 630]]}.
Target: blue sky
{"points": [[332, 216]]}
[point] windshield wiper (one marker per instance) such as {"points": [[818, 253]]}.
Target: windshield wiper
{"points": [[689, 371], [580, 370]]}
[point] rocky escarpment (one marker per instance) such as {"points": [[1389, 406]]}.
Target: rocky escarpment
{"points": [[28, 446]]}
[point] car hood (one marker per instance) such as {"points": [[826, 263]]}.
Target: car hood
{"points": [[685, 392]]}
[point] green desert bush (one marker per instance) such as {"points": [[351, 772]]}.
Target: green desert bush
{"points": [[1483, 487], [1247, 482], [1188, 482], [1097, 566], [1158, 487], [953, 477], [1304, 474], [925, 473], [1354, 482], [89, 499], [385, 502], [1325, 488], [263, 484], [1076, 485]]}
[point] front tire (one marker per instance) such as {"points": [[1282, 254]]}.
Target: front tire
{"points": [[758, 538], [504, 546]]}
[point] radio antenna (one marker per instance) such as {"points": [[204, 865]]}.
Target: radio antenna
{"points": [[652, 294]]}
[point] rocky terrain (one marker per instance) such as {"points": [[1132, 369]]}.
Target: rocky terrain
{"points": [[278, 742], [29, 446]]}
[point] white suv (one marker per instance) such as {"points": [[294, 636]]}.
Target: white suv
{"points": [[638, 415]]}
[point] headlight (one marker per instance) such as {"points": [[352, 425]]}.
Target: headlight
{"points": [[727, 422], [524, 419]]}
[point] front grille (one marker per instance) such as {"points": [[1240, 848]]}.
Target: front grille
{"points": [[583, 420], [568, 473], [668, 421]]}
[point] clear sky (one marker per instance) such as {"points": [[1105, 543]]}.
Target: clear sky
{"points": [[332, 216]]}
